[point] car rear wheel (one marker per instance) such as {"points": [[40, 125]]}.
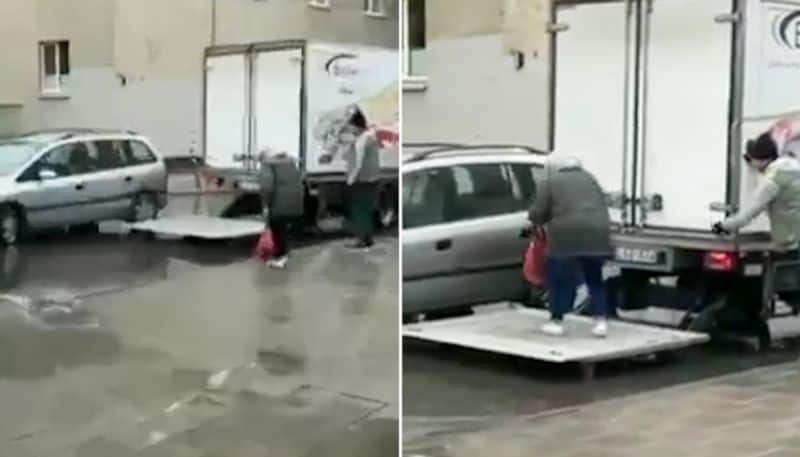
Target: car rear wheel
{"points": [[144, 208], [10, 225]]}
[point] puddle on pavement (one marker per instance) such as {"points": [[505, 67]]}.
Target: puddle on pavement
{"points": [[29, 353], [232, 417], [40, 336], [280, 362], [375, 437], [49, 313], [280, 309]]}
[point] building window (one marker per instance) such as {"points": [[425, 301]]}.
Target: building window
{"points": [[54, 67], [414, 44], [324, 4], [375, 8]]}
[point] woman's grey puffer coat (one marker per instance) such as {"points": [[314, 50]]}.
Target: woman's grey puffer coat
{"points": [[571, 204], [281, 187]]}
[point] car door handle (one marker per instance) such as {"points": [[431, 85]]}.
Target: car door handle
{"points": [[80, 186], [128, 178], [526, 232], [443, 245]]}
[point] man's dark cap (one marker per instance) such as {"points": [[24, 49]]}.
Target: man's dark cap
{"points": [[762, 148]]}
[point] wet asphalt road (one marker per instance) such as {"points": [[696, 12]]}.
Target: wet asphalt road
{"points": [[446, 388], [117, 346]]}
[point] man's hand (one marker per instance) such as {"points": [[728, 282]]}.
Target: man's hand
{"points": [[718, 229], [785, 131]]}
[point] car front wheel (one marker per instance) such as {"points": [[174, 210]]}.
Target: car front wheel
{"points": [[144, 208], [10, 225]]}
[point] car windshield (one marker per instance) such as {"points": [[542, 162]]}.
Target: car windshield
{"points": [[14, 154]]}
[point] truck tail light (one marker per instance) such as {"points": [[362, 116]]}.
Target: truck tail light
{"points": [[720, 261]]}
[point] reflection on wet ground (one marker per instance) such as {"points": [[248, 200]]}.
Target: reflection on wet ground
{"points": [[80, 264], [442, 383], [113, 346], [92, 264]]}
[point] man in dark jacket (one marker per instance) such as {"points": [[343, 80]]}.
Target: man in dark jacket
{"points": [[282, 195], [571, 205], [363, 174]]}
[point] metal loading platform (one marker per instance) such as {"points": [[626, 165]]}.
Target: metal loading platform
{"points": [[200, 226], [517, 332]]}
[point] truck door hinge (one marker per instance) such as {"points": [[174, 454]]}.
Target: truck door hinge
{"points": [[617, 200], [652, 203], [727, 18], [557, 27]]}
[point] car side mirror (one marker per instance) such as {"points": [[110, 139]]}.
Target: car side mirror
{"points": [[47, 174]]}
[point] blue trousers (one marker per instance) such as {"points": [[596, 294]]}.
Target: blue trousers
{"points": [[563, 278]]}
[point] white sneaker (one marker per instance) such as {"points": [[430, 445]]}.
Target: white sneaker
{"points": [[600, 329], [279, 263], [553, 328]]}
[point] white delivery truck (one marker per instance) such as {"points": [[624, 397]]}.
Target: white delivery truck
{"points": [[292, 96], [658, 98]]}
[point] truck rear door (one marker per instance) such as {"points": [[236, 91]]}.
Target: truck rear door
{"points": [[684, 116], [278, 98], [592, 93], [226, 110]]}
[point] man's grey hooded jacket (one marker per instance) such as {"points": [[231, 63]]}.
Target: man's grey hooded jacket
{"points": [[571, 204]]}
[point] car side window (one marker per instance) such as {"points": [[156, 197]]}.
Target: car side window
{"points": [[137, 153], [423, 199], [478, 190], [110, 154], [57, 161], [525, 176], [81, 160]]}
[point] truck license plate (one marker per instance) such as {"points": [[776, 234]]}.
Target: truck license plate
{"points": [[638, 255]]}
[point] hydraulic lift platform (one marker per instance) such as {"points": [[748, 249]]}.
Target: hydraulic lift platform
{"points": [[200, 226], [516, 331]]}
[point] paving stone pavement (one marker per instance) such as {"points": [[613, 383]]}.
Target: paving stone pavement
{"points": [[752, 414]]}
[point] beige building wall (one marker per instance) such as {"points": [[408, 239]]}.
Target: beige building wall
{"points": [[151, 41], [88, 24], [449, 19], [17, 19], [473, 92], [17, 64], [243, 21], [138, 64]]}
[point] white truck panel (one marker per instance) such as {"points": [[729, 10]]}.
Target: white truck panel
{"points": [[772, 61], [226, 117], [338, 76], [772, 72], [277, 106], [590, 91], [686, 113]]}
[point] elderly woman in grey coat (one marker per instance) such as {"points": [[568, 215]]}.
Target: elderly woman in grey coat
{"points": [[571, 205], [282, 196]]}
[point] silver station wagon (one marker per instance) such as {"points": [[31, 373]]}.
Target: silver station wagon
{"points": [[70, 178]]}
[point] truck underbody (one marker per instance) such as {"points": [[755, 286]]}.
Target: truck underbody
{"points": [[324, 196]]}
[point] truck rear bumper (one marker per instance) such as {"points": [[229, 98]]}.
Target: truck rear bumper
{"points": [[691, 240]]}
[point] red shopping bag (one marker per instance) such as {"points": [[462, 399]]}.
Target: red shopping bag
{"points": [[266, 246], [533, 267]]}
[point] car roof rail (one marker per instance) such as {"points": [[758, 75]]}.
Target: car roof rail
{"points": [[71, 132], [437, 148]]}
